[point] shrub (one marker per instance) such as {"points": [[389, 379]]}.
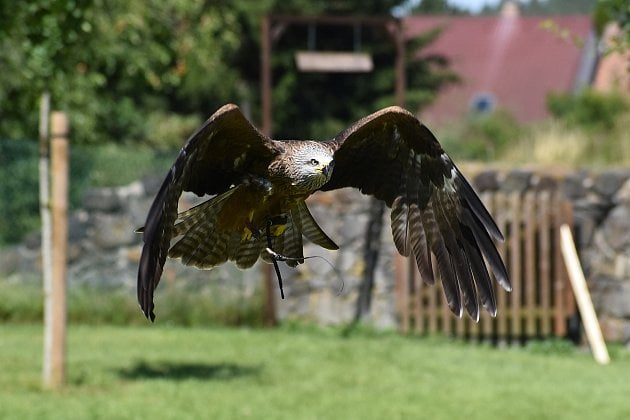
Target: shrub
{"points": [[589, 109], [482, 137], [19, 197]]}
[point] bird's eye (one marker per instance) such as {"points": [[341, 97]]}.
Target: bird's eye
{"points": [[314, 162]]}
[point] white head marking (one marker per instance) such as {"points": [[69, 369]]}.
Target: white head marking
{"points": [[313, 165]]}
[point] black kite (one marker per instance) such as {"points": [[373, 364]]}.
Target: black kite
{"points": [[258, 187]]}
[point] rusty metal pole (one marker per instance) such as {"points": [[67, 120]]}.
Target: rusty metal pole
{"points": [[401, 76], [266, 126], [265, 70]]}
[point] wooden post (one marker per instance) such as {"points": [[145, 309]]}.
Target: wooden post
{"points": [[583, 297], [55, 293]]}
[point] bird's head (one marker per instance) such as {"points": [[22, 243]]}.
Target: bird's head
{"points": [[313, 165]]}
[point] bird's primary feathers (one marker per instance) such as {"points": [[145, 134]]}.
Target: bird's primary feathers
{"points": [[257, 183]]}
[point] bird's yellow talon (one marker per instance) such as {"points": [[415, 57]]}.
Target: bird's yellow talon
{"points": [[277, 230]]}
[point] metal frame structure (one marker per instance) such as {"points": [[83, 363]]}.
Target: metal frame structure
{"points": [[274, 25], [272, 29]]}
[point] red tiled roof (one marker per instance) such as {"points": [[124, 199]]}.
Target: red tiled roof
{"points": [[512, 58]]}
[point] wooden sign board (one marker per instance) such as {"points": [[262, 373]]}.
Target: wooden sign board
{"points": [[333, 62]]}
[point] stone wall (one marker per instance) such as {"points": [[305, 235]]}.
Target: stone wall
{"points": [[104, 250]]}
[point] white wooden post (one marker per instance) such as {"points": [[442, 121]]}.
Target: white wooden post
{"points": [[583, 297]]}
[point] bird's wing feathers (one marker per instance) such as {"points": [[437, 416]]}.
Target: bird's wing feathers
{"points": [[197, 240], [213, 158], [292, 244], [394, 157], [222, 149]]}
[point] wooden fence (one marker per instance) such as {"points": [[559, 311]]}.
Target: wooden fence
{"points": [[541, 301]]}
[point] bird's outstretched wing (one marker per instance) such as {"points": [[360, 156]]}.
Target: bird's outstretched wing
{"points": [[216, 156], [394, 157]]}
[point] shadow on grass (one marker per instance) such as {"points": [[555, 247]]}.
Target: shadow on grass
{"points": [[187, 370]]}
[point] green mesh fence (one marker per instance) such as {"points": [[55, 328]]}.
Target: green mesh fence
{"points": [[90, 166]]}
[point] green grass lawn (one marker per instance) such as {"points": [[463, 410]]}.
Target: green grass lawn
{"points": [[161, 372]]}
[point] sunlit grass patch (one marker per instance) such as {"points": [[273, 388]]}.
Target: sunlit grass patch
{"points": [[156, 371]]}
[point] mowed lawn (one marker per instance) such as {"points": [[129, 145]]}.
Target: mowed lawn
{"points": [[161, 372]]}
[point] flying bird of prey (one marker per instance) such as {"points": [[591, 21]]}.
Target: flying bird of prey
{"points": [[258, 186]]}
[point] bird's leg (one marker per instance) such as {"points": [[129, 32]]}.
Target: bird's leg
{"points": [[250, 229], [274, 257], [278, 224], [253, 230]]}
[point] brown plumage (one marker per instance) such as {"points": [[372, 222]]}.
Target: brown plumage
{"points": [[256, 182]]}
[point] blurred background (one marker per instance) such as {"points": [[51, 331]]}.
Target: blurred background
{"points": [[530, 98]]}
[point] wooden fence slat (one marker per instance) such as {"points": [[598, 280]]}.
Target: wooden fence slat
{"points": [[558, 269], [545, 263], [516, 267], [530, 264], [432, 298], [402, 293], [460, 324], [570, 302], [501, 215], [487, 321], [418, 301], [446, 315]]}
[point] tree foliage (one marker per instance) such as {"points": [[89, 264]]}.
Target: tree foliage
{"points": [[150, 71], [557, 7], [617, 11], [589, 109], [18, 190], [437, 6], [547, 7], [112, 64]]}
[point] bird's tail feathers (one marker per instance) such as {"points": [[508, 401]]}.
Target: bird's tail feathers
{"points": [[200, 242], [206, 210], [289, 244], [196, 238], [311, 229]]}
